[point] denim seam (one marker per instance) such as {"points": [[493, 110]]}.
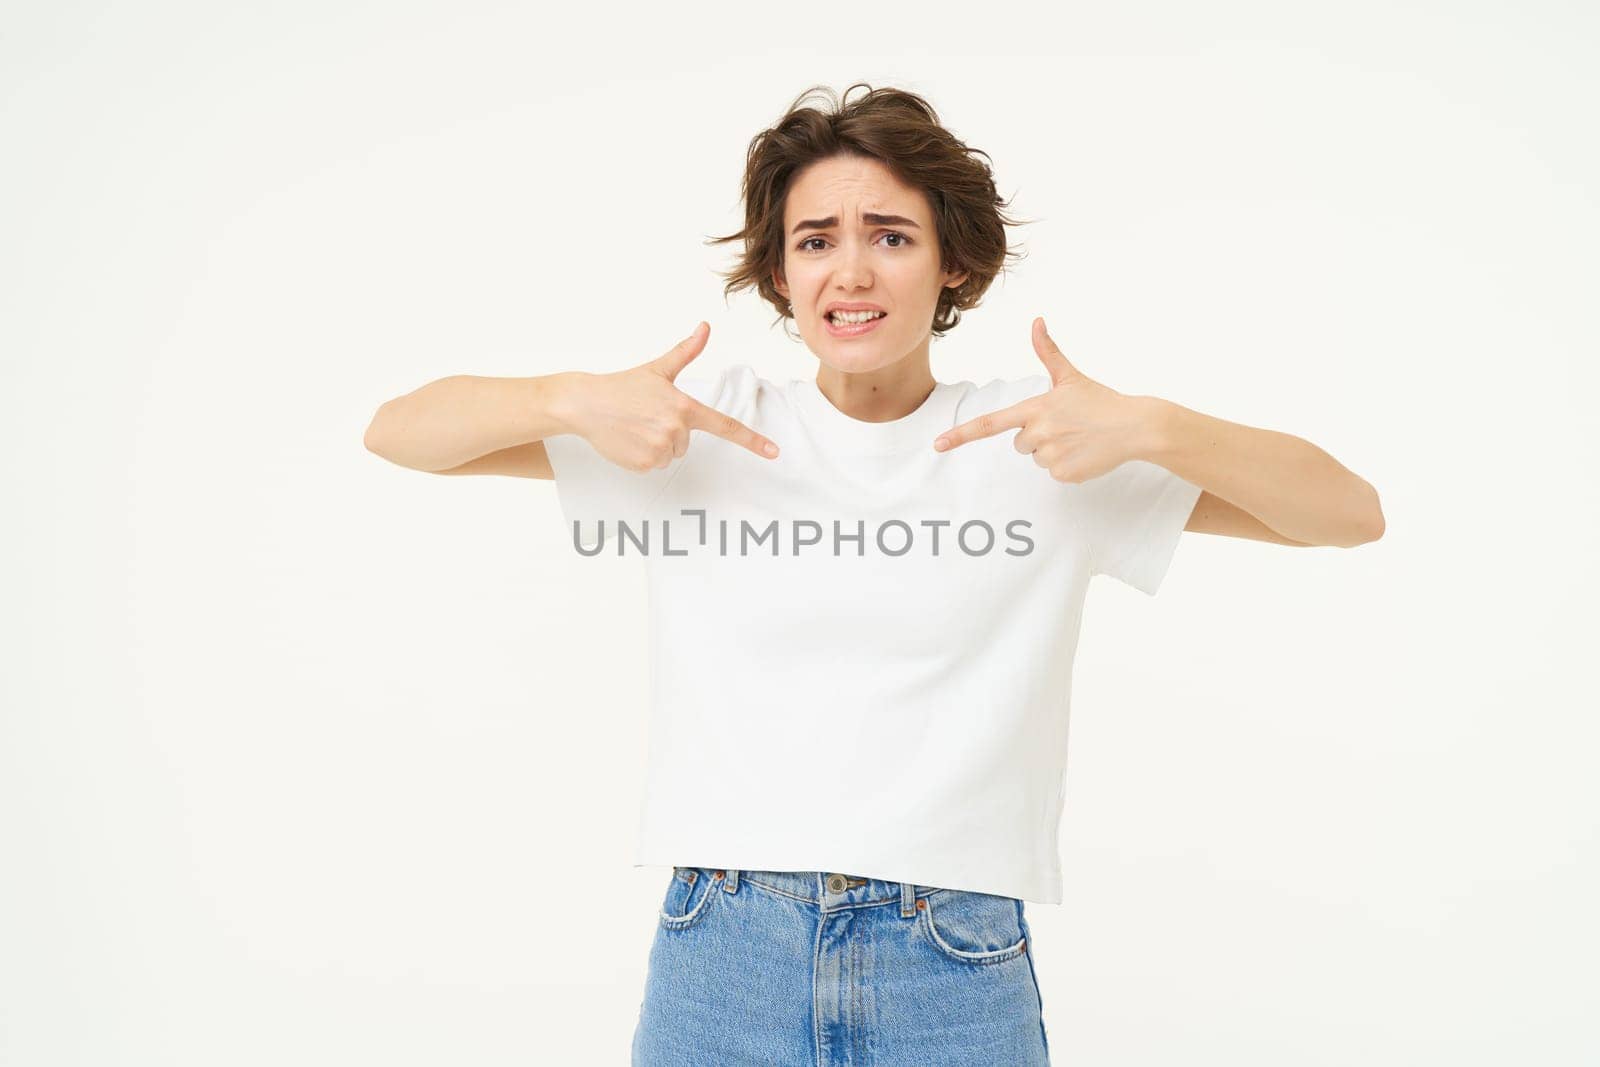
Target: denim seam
{"points": [[1033, 973], [816, 973]]}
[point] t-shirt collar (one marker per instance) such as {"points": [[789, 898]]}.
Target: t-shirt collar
{"points": [[842, 432]]}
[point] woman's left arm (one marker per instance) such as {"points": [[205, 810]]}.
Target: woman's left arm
{"points": [[1255, 483], [1286, 482]]}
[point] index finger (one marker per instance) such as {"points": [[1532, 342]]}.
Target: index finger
{"points": [[707, 418], [985, 425]]}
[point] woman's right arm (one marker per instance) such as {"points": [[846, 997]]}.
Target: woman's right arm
{"points": [[636, 418], [470, 424]]}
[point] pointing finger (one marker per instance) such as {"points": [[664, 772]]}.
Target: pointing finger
{"points": [[707, 418], [986, 425]]}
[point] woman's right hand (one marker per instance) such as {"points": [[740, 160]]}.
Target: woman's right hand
{"points": [[640, 420]]}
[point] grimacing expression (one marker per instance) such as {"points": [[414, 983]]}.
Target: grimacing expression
{"points": [[854, 232]]}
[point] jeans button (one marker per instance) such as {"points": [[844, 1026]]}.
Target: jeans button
{"points": [[836, 883]]}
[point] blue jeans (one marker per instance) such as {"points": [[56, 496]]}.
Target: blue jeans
{"points": [[823, 969]]}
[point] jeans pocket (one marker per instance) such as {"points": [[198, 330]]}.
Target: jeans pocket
{"points": [[688, 897], [975, 928]]}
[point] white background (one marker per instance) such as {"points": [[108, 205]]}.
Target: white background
{"points": [[309, 758]]}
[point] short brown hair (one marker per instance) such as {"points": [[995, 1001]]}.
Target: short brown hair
{"points": [[901, 130]]}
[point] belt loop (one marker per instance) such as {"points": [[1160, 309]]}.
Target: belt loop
{"points": [[908, 900], [731, 882]]}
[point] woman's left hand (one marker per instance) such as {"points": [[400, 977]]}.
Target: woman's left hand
{"points": [[1078, 430]]}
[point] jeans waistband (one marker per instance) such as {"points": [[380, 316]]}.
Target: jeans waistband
{"points": [[832, 889]]}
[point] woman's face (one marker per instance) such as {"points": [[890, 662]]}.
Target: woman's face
{"points": [[836, 250]]}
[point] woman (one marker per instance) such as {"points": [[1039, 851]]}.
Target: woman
{"points": [[864, 604]]}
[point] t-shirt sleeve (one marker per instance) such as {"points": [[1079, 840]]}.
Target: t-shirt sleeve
{"points": [[1132, 517], [595, 493]]}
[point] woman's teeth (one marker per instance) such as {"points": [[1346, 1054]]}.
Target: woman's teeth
{"points": [[845, 318]]}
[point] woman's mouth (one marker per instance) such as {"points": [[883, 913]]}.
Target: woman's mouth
{"points": [[852, 329]]}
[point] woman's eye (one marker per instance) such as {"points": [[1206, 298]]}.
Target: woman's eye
{"points": [[903, 240]]}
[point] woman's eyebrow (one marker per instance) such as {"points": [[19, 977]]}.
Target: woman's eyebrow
{"points": [[870, 218]]}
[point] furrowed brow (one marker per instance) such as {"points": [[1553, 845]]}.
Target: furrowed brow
{"points": [[870, 218]]}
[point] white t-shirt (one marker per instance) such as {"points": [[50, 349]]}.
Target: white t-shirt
{"points": [[891, 702]]}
